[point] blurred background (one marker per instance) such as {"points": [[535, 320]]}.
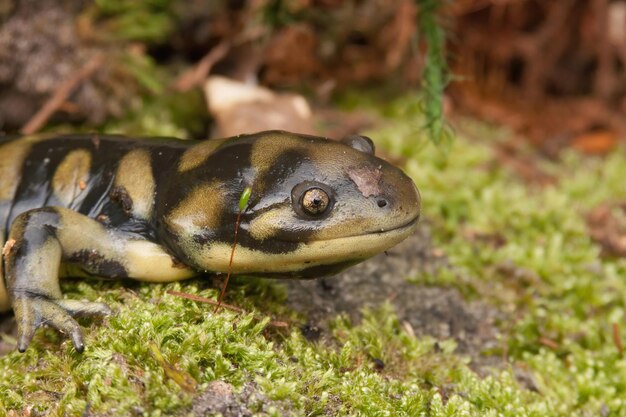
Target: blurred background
{"points": [[552, 71]]}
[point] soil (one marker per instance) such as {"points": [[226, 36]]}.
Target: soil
{"points": [[436, 311], [219, 398]]}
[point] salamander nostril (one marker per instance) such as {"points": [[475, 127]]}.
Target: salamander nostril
{"points": [[382, 203]]}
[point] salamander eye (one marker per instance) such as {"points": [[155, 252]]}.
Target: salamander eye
{"points": [[312, 199], [315, 201]]}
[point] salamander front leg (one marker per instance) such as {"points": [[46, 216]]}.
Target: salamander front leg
{"points": [[32, 259]]}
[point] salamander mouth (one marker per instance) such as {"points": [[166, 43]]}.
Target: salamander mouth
{"points": [[405, 226], [393, 234], [403, 229], [340, 251]]}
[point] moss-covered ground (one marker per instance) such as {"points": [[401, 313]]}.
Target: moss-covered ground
{"points": [[559, 356]]}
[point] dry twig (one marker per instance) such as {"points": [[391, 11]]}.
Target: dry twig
{"points": [[200, 299], [56, 101], [196, 75], [617, 339], [548, 343]]}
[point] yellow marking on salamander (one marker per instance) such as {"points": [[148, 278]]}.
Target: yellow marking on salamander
{"points": [[134, 174], [266, 149], [267, 224], [13, 155], [196, 155], [198, 211], [146, 261], [71, 176]]}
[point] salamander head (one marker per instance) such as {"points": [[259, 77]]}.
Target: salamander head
{"points": [[317, 206]]}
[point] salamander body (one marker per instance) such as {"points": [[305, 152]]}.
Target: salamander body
{"points": [[163, 209]]}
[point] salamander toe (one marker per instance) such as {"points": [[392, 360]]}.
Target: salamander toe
{"points": [[78, 308], [32, 312]]}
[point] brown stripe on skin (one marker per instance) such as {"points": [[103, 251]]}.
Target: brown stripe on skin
{"points": [[199, 210], [134, 175], [198, 154], [71, 176]]}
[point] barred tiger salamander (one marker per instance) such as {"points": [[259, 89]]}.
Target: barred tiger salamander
{"points": [[164, 209]]}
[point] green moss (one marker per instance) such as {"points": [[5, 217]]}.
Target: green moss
{"points": [[565, 293], [148, 21], [522, 248], [156, 109], [170, 114]]}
